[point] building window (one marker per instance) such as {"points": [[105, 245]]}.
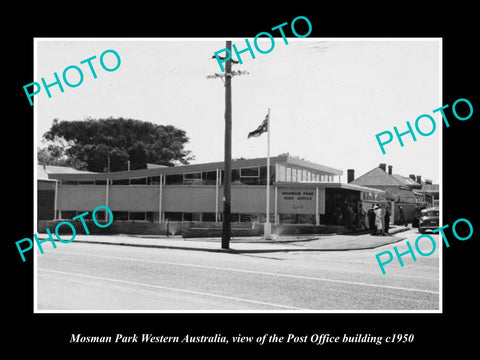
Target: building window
{"points": [[246, 176], [287, 218], [250, 172], [120, 182], [235, 217], [249, 217], [262, 218], [175, 179], [150, 216], [86, 182], [139, 181], [137, 216], [101, 215], [235, 177], [245, 218], [192, 178], [208, 217], [297, 219], [173, 216], [153, 180], [210, 177], [282, 173], [120, 215], [263, 175], [294, 175], [288, 174], [191, 217]]}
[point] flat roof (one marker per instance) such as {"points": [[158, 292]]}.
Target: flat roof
{"points": [[44, 170], [285, 160]]}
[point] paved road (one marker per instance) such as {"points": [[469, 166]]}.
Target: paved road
{"points": [[83, 276]]}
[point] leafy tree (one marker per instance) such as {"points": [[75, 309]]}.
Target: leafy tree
{"points": [[54, 154], [138, 155], [93, 144]]}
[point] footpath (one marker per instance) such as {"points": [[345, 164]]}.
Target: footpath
{"points": [[330, 242]]}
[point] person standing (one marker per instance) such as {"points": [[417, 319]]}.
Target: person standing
{"points": [[361, 217], [378, 219], [345, 214], [387, 219], [382, 217], [401, 216], [349, 215], [371, 220]]}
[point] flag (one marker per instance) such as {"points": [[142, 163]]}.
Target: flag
{"points": [[260, 130]]}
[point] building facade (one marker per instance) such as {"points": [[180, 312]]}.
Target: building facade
{"points": [[301, 192]]}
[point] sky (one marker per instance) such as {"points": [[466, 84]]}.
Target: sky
{"points": [[328, 97]]}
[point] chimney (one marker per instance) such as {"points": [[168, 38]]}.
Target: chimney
{"points": [[419, 179], [350, 175], [390, 167], [412, 176], [383, 167]]}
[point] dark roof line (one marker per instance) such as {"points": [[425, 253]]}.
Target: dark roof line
{"points": [[281, 159]]}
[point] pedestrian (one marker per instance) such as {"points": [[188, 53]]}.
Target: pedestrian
{"points": [[361, 217], [382, 217], [401, 216], [387, 219], [371, 220], [345, 214], [378, 219], [338, 215], [349, 215]]}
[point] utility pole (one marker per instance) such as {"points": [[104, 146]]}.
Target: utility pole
{"points": [[227, 178], [227, 190]]}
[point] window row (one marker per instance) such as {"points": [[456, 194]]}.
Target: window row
{"points": [[152, 216], [244, 176], [289, 174]]}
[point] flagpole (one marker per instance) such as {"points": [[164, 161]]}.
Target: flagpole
{"points": [[267, 229]]}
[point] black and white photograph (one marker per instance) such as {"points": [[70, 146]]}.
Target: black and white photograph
{"points": [[145, 138], [287, 185]]}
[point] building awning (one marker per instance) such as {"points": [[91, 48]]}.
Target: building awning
{"points": [[331, 185]]}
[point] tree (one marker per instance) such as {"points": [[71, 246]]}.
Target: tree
{"points": [[138, 155], [89, 144], [54, 154]]}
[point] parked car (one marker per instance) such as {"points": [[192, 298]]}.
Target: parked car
{"points": [[429, 219]]}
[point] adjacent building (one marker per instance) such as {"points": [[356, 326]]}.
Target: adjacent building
{"points": [[409, 192]]}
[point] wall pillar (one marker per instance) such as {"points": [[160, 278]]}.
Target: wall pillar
{"points": [[160, 199], [55, 201], [276, 205], [217, 184]]}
